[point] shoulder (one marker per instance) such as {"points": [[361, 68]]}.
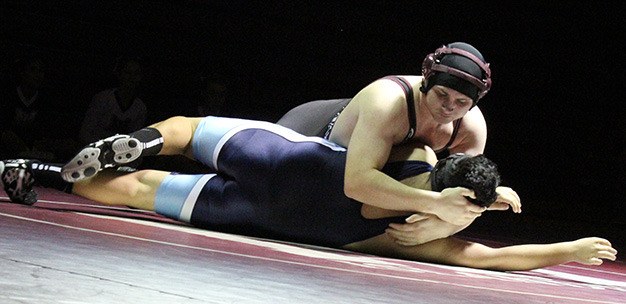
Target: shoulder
{"points": [[472, 134], [384, 96], [413, 150], [474, 121]]}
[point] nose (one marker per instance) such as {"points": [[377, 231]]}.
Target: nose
{"points": [[447, 105]]}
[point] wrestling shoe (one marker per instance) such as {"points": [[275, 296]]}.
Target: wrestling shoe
{"points": [[110, 152], [17, 180]]}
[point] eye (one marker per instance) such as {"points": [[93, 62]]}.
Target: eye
{"points": [[462, 102]]}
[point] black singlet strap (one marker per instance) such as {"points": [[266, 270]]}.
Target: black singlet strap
{"points": [[410, 102], [455, 131]]}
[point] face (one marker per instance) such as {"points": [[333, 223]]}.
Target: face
{"points": [[130, 75], [33, 74], [446, 105]]}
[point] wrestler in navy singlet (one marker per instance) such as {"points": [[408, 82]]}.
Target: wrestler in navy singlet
{"points": [[274, 183]]}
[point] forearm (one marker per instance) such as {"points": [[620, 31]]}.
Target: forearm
{"points": [[379, 190], [588, 251], [531, 256], [454, 251]]}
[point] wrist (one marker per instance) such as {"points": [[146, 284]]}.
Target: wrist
{"points": [[569, 250], [431, 202]]}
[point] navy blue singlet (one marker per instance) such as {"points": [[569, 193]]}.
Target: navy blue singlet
{"points": [[269, 186]]}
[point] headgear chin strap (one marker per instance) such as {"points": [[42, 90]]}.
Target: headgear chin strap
{"points": [[432, 63]]}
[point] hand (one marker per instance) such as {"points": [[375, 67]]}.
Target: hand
{"points": [[591, 251], [455, 209], [506, 197], [419, 229]]}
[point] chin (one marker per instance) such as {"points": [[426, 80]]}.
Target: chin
{"points": [[444, 119]]}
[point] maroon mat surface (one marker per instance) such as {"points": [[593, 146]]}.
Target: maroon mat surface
{"points": [[66, 249]]}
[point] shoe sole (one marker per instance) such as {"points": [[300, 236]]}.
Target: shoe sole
{"points": [[18, 182], [88, 161]]}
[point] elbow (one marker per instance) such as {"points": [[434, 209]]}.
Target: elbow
{"points": [[350, 189], [353, 187], [474, 256]]}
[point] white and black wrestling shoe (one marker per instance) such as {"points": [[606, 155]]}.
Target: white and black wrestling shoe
{"points": [[16, 177], [110, 152]]}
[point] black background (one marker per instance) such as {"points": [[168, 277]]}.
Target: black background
{"points": [[555, 115]]}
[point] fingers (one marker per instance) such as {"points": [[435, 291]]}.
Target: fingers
{"points": [[604, 242], [595, 262], [603, 251], [416, 218], [401, 227], [401, 237], [509, 196], [410, 234], [475, 209], [515, 196], [499, 206], [607, 255], [467, 192]]}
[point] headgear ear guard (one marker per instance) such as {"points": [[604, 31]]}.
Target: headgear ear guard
{"points": [[432, 63]]}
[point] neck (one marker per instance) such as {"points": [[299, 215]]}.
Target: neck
{"points": [[425, 119], [27, 91]]}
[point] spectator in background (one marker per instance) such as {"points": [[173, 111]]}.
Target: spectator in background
{"points": [[32, 116], [212, 96], [116, 110], [207, 97]]}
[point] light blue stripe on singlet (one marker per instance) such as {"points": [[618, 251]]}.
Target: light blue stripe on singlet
{"points": [[192, 198], [177, 195], [213, 132], [208, 134]]}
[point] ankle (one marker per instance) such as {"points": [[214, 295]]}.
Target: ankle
{"points": [[151, 139]]}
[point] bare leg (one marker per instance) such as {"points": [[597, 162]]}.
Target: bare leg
{"points": [[177, 134], [168, 137], [137, 189]]}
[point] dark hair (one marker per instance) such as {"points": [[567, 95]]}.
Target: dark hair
{"points": [[20, 64], [477, 173], [121, 62]]}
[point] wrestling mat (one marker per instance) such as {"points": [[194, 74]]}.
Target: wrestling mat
{"points": [[66, 249]]}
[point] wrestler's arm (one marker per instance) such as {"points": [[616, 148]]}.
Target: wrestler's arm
{"points": [[377, 129], [455, 251], [420, 227], [471, 139]]}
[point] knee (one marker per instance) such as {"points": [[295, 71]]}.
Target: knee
{"points": [[141, 183], [122, 189], [173, 125], [177, 128]]}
